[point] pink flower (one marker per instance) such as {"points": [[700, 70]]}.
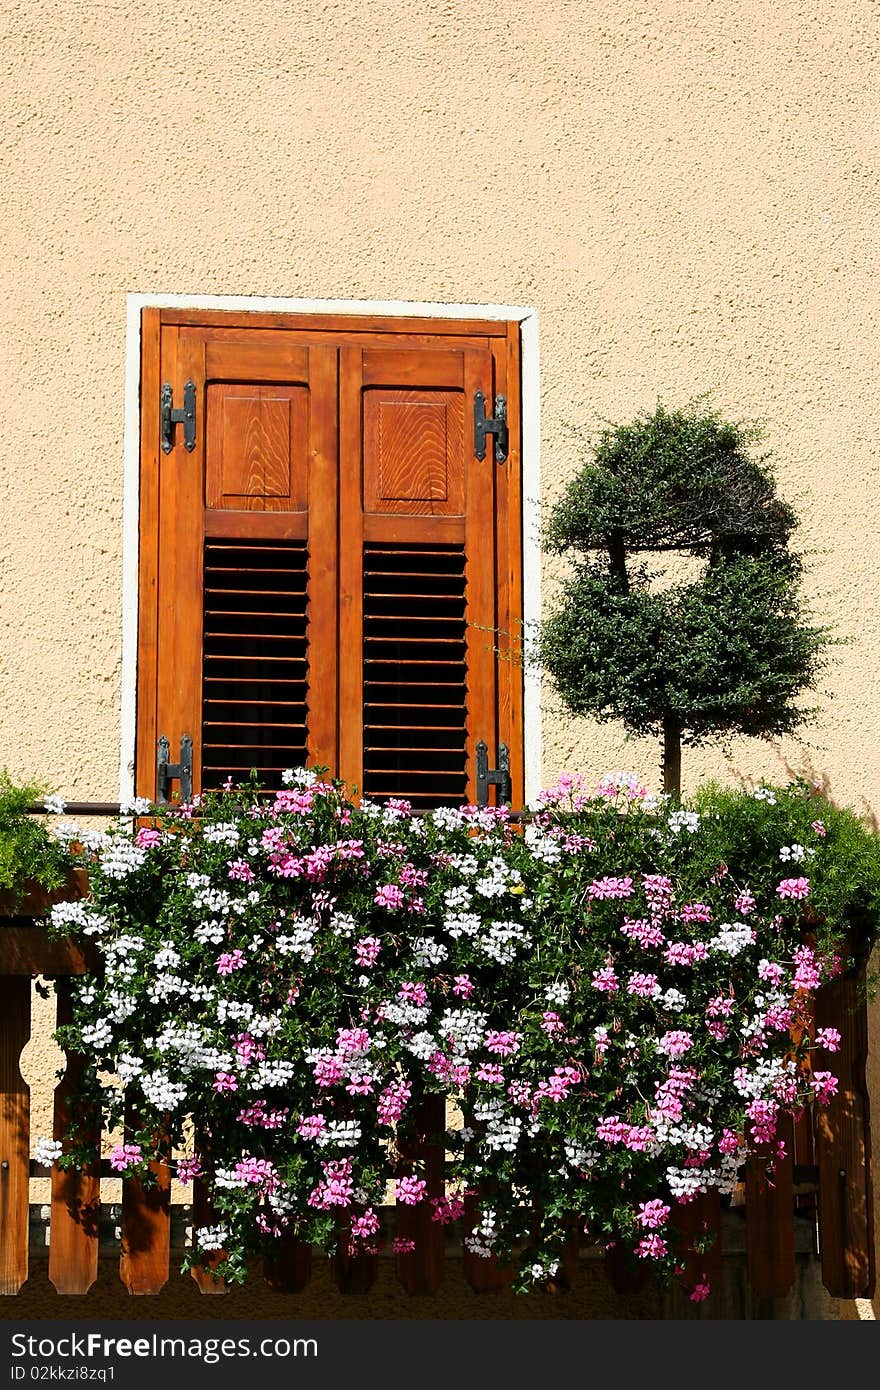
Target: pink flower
{"points": [[652, 1214], [794, 888], [551, 1023], [410, 1191], [824, 1083], [390, 896], [189, 1168], [364, 1226], [225, 1081], [644, 932], [652, 1247], [819, 827], [367, 950], [807, 975], [392, 1102], [717, 1029], [728, 1143], [360, 1084], [336, 1187], [464, 986], [605, 979], [610, 887], [491, 1072], [447, 1209], [700, 1292], [229, 961], [310, 1126], [762, 1114], [413, 993], [744, 902], [611, 1130], [829, 1038], [402, 1245], [696, 912], [147, 838], [645, 986], [328, 1069], [675, 1043], [504, 1044], [124, 1155], [241, 870], [352, 1039], [770, 971]]}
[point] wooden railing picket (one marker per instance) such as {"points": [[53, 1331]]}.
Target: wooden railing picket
{"points": [[843, 1149], [354, 1270], [420, 1271], [203, 1214], [770, 1254], [76, 1193], [698, 1223], [289, 1267], [15, 1031], [484, 1274], [144, 1262]]}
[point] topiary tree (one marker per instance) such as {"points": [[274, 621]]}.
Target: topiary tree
{"points": [[728, 653]]}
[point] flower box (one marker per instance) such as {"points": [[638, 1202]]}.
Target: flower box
{"points": [[25, 945]]}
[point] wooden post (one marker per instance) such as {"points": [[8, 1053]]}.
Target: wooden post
{"points": [[146, 1228], [843, 1150], [421, 1271], [770, 1217], [76, 1194], [15, 1030]]}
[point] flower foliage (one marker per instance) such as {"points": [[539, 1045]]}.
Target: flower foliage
{"points": [[611, 998]]}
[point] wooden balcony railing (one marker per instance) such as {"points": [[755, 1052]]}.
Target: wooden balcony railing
{"points": [[823, 1183]]}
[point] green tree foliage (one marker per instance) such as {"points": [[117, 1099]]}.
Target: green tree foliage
{"points": [[728, 653]]}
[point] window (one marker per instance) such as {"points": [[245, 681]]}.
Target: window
{"points": [[329, 574]]}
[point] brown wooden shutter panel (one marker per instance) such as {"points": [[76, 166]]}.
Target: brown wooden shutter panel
{"points": [[324, 577]]}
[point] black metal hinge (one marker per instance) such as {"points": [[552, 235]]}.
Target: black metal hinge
{"points": [[170, 417], [493, 777], [496, 427], [166, 772]]}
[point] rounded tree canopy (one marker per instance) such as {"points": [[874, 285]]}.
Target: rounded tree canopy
{"points": [[728, 653]]}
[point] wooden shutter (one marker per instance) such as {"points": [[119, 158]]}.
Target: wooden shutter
{"points": [[328, 575]]}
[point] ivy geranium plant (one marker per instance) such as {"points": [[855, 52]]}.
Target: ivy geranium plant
{"points": [[609, 997], [30, 855]]}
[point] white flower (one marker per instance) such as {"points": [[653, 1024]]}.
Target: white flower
{"points": [[764, 794], [135, 806], [673, 1000], [557, 993], [299, 777], [211, 1237], [543, 846], [795, 852], [342, 1134], [684, 820], [47, 1151], [54, 804], [119, 858], [732, 937], [222, 833], [427, 951], [457, 899], [461, 924], [161, 1091], [423, 1046]]}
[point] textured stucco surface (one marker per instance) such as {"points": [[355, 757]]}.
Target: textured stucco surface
{"points": [[686, 191]]}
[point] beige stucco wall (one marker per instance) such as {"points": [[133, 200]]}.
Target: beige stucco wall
{"points": [[686, 190]]}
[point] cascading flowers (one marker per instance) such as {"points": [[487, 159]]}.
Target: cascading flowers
{"points": [[608, 997]]}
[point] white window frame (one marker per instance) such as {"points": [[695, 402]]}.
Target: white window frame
{"points": [[531, 478]]}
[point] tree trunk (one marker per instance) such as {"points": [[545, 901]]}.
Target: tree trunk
{"points": [[672, 754]]}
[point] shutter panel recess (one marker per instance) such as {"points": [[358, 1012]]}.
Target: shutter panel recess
{"points": [[254, 654], [415, 674], [326, 573]]}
